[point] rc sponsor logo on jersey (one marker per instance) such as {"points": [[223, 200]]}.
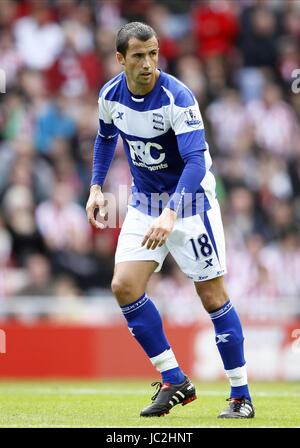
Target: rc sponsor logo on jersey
{"points": [[192, 118], [142, 156], [158, 122]]}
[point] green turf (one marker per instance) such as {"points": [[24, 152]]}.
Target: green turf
{"points": [[117, 404]]}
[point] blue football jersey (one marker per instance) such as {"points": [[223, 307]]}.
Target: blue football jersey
{"points": [[158, 131]]}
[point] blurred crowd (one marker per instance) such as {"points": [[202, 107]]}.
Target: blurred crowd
{"points": [[240, 58]]}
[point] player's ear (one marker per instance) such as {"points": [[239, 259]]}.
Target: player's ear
{"points": [[120, 58]]}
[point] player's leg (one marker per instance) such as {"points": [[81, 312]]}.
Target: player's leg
{"points": [[130, 280], [230, 343], [145, 324], [134, 266], [144, 321], [198, 245]]}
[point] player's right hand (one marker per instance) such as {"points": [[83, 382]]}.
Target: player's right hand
{"points": [[95, 202]]}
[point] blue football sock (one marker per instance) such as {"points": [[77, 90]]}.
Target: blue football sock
{"points": [[173, 376], [145, 324], [230, 343]]}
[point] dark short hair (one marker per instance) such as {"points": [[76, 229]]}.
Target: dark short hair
{"points": [[138, 30]]}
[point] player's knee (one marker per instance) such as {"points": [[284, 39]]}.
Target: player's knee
{"points": [[212, 299], [122, 289], [212, 303]]}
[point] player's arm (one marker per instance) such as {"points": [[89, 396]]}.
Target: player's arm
{"points": [[104, 149], [188, 127], [190, 179], [189, 182], [160, 229], [189, 130]]}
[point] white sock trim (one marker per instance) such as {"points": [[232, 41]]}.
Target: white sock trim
{"points": [[164, 361], [237, 377]]}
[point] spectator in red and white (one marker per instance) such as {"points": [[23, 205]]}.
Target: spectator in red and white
{"points": [[189, 70], [39, 39], [10, 60], [282, 260], [275, 123], [77, 69], [248, 258], [228, 120], [108, 13], [273, 181], [215, 26], [62, 221]]}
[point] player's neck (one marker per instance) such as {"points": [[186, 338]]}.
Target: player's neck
{"points": [[139, 89]]}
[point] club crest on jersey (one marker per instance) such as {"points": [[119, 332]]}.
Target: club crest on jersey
{"points": [[158, 122], [192, 118]]}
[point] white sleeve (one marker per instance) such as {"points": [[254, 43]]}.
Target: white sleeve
{"points": [[186, 119], [107, 128]]}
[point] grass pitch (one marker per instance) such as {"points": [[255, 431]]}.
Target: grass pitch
{"points": [[116, 404]]}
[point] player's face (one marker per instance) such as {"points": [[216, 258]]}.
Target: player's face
{"points": [[140, 65]]}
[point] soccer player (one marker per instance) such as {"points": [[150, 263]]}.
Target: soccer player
{"points": [[174, 209]]}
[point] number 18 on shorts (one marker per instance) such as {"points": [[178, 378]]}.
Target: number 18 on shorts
{"points": [[196, 243]]}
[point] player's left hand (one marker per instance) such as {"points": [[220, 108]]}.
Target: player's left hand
{"points": [[160, 229]]}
